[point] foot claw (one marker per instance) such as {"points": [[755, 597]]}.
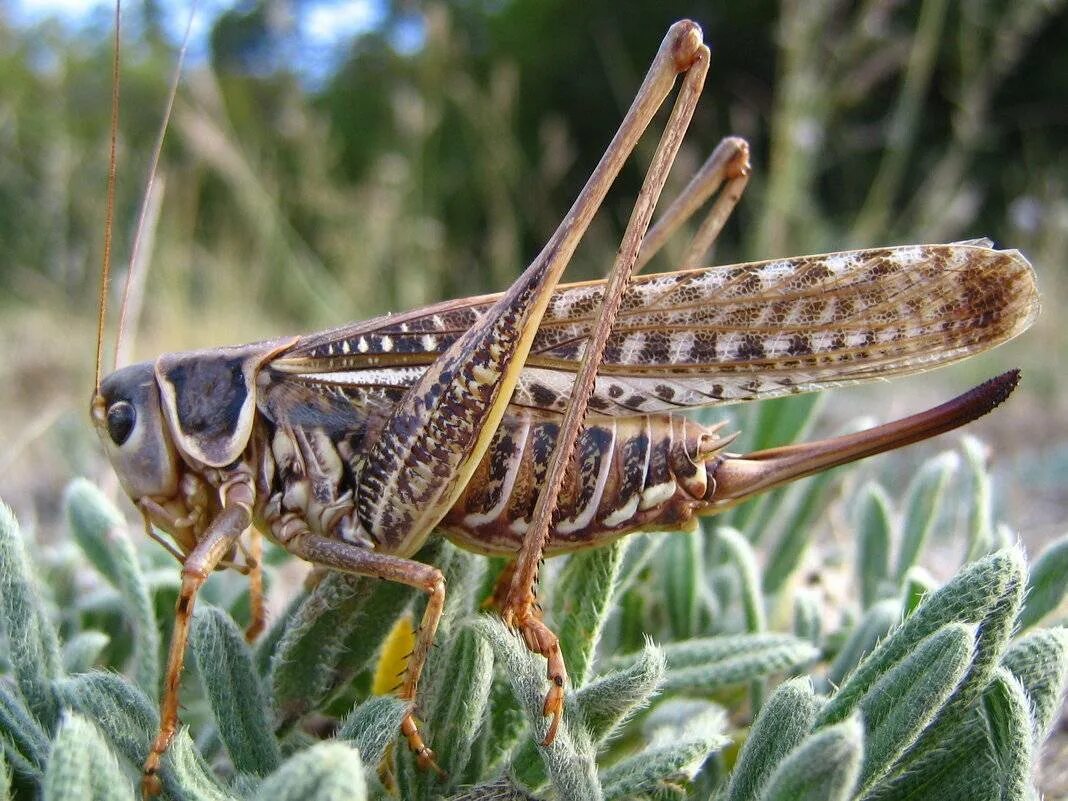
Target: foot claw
{"points": [[151, 785], [150, 781], [554, 705], [424, 756]]}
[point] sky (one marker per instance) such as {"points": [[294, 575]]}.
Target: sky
{"points": [[326, 26]]}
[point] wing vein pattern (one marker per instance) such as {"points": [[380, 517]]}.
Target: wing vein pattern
{"points": [[711, 336]]}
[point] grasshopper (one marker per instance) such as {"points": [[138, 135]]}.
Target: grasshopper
{"points": [[544, 419]]}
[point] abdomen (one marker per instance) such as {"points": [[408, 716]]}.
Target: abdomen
{"points": [[628, 473]]}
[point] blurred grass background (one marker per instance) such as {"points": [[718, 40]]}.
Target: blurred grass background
{"points": [[441, 146]]}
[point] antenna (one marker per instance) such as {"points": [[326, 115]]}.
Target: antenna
{"points": [[146, 201], [109, 208]]}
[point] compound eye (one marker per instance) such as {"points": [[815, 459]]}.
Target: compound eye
{"points": [[121, 419]]}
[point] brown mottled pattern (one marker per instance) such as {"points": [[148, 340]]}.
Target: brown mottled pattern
{"points": [[725, 334], [619, 461]]}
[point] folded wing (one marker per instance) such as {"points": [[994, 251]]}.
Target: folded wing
{"points": [[716, 335]]}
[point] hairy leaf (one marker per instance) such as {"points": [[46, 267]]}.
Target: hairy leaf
{"points": [[569, 759], [582, 598], [1040, 662], [1048, 583], [33, 645], [1009, 716], [325, 772], [344, 618], [714, 662], [454, 718], [82, 767], [901, 705], [823, 768], [675, 755], [372, 726], [986, 593], [20, 732], [874, 533], [100, 531], [237, 699], [922, 506], [783, 723]]}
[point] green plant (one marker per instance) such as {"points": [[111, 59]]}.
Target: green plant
{"points": [[925, 694]]}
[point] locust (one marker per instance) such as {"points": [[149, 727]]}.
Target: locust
{"points": [[544, 419]]}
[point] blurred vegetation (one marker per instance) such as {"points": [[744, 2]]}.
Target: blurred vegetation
{"points": [[444, 146], [436, 171], [435, 160]]}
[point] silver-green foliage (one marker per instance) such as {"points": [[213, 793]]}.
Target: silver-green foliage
{"points": [[913, 691]]}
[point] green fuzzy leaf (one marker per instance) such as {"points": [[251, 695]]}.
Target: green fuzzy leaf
{"points": [[498, 790], [923, 505], [333, 634], [268, 642], [877, 622], [371, 727], [986, 593], [122, 712], [582, 599], [823, 768], [610, 700], [805, 500], [773, 423], [569, 759], [82, 651], [187, 776], [639, 550], [100, 531], [741, 555], [1040, 662], [5, 778], [916, 585], [961, 768], [707, 664], [119, 708], [82, 767], [455, 716], [1047, 585], [980, 514], [1008, 714], [785, 719], [33, 645], [604, 705], [25, 740], [328, 771], [979, 756], [904, 701], [808, 618], [675, 755], [682, 585], [505, 727], [463, 573], [237, 700], [464, 576], [874, 533]]}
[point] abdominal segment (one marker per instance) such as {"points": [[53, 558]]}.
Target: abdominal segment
{"points": [[626, 473]]}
